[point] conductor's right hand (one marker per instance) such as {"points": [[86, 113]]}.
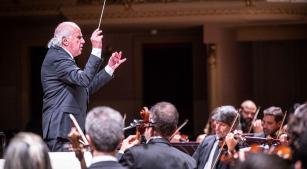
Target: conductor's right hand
{"points": [[96, 39]]}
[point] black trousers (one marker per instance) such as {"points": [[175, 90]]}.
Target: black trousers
{"points": [[58, 144]]}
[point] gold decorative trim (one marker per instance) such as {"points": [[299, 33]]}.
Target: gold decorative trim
{"points": [[193, 14], [195, 11]]}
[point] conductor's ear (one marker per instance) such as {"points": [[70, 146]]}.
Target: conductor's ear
{"points": [[65, 41]]}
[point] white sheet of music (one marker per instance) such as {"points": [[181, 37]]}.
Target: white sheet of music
{"points": [[63, 160]]}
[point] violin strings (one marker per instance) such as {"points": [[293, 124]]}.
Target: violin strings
{"points": [[104, 3]]}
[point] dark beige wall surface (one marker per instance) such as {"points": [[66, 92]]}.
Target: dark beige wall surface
{"points": [[124, 92]]}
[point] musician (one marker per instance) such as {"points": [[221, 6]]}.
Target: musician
{"points": [[247, 112], [25, 151], [263, 161], [66, 87], [206, 153], [104, 128], [270, 124], [297, 132], [209, 128], [158, 153]]}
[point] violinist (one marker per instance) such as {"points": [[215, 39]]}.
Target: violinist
{"points": [[270, 124], [157, 152], [104, 127], [267, 139], [27, 150], [247, 112], [207, 152], [263, 161], [209, 128]]}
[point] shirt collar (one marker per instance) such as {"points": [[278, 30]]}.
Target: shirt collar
{"points": [[103, 158], [151, 138], [68, 52]]}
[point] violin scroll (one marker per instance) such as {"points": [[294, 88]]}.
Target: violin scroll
{"points": [[143, 123], [77, 147]]}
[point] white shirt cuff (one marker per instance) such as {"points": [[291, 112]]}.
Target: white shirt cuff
{"points": [[96, 52], [109, 70]]}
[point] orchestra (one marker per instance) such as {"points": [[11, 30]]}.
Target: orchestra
{"points": [[227, 146]]}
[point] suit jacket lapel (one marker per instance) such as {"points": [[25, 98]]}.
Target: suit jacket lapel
{"points": [[206, 151]]}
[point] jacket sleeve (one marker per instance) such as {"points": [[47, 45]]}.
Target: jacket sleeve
{"points": [[100, 79], [69, 72], [197, 152], [127, 159]]}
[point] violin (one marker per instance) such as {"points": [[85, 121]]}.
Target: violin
{"points": [[140, 124], [184, 138], [179, 137], [275, 147], [282, 151], [79, 142], [78, 148], [143, 123], [250, 139]]}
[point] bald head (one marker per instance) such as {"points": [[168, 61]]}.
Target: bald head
{"points": [[249, 105], [68, 36], [64, 29], [248, 110]]}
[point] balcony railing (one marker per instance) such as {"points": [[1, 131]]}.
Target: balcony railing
{"points": [[155, 1]]}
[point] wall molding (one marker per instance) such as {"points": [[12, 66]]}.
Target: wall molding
{"points": [[187, 13]]}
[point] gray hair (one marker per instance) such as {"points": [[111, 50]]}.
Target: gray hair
{"points": [[104, 126], [64, 29], [27, 151], [227, 114], [274, 111], [165, 116]]}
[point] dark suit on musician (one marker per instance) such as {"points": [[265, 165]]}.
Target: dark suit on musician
{"points": [[201, 155], [106, 165], [66, 90], [156, 154]]}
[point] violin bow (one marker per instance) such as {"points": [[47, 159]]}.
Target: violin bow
{"points": [[179, 128], [281, 125], [224, 142], [124, 118], [255, 117], [102, 10], [73, 119]]}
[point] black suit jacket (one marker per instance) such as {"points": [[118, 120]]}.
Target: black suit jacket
{"points": [[106, 165], [66, 90], [201, 155], [156, 154]]}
